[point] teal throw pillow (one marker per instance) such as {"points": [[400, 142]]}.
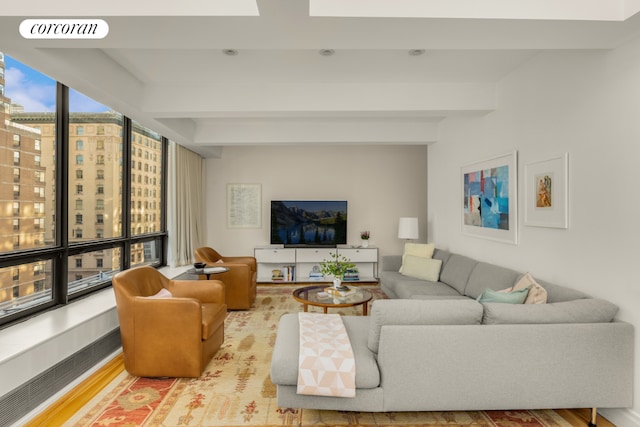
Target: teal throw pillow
{"points": [[514, 297]]}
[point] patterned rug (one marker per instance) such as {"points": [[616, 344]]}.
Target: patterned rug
{"points": [[236, 390]]}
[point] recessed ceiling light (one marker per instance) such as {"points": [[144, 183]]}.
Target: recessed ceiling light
{"points": [[416, 52], [326, 52], [230, 52]]}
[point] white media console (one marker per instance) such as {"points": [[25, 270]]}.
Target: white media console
{"points": [[300, 262]]}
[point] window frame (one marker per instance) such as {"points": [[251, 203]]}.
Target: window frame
{"points": [[62, 253]]}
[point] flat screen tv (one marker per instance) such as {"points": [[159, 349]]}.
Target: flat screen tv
{"points": [[297, 223]]}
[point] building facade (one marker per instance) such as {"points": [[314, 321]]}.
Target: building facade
{"points": [[28, 191]]}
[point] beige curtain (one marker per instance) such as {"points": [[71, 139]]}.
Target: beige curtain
{"points": [[187, 228]]}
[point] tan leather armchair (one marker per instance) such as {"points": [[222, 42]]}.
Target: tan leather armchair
{"points": [[240, 280], [171, 336]]}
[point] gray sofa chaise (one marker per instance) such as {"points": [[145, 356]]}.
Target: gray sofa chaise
{"points": [[433, 347]]}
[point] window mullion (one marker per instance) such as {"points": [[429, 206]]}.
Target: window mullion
{"points": [[60, 281], [126, 192]]}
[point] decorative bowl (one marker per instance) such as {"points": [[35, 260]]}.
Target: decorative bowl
{"points": [[199, 264]]}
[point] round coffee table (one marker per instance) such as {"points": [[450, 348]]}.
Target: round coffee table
{"points": [[309, 296]]}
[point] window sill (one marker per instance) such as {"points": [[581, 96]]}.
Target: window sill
{"points": [[33, 346]]}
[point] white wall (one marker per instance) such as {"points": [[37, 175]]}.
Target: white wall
{"points": [[380, 183], [584, 103]]}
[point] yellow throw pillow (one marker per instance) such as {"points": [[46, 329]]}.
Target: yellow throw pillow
{"points": [[422, 268], [422, 250], [537, 294]]}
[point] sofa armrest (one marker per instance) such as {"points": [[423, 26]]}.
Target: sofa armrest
{"points": [[391, 262], [206, 291]]}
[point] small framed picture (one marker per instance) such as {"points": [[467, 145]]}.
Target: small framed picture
{"points": [[546, 192]]}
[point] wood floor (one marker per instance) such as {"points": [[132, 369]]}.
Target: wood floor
{"points": [[63, 409]]}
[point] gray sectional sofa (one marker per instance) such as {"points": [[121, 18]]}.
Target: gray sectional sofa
{"points": [[431, 346]]}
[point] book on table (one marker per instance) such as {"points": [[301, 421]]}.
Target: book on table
{"points": [[340, 292]]}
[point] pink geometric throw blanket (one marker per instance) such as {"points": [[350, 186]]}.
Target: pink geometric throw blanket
{"points": [[326, 364]]}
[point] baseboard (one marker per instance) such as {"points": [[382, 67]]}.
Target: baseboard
{"points": [[621, 417], [65, 407]]}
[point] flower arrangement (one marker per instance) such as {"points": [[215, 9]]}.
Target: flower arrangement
{"points": [[336, 266], [364, 235]]}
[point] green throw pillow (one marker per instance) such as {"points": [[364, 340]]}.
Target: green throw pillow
{"points": [[514, 297]]}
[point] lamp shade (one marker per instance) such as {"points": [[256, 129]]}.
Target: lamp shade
{"points": [[408, 228]]}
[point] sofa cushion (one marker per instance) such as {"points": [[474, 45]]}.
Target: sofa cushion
{"points": [[441, 254], [485, 275], [587, 310], [421, 312], [397, 285], [509, 297], [284, 361], [456, 272], [406, 289], [421, 268], [420, 250], [558, 293], [536, 295], [438, 297]]}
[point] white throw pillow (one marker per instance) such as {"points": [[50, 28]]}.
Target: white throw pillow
{"points": [[537, 294], [422, 268], [162, 293], [422, 250]]}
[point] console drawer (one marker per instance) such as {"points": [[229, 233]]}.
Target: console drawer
{"points": [[360, 254]]}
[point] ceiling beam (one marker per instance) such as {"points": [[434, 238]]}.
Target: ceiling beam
{"points": [[590, 10], [326, 131], [218, 100]]}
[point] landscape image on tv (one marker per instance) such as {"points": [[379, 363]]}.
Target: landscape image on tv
{"points": [[309, 223]]}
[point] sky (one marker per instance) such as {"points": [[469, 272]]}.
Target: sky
{"points": [[37, 92]]}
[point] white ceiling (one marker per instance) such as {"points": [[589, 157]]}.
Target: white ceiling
{"points": [[169, 71]]}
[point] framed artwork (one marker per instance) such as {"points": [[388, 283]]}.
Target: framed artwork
{"points": [[244, 206], [489, 198], [546, 192]]}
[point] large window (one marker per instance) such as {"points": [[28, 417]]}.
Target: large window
{"points": [[62, 242], [98, 196]]}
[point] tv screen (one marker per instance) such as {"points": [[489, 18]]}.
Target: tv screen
{"points": [[309, 222]]}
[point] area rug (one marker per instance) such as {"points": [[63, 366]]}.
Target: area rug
{"points": [[236, 390]]}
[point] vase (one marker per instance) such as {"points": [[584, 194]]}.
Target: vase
{"points": [[365, 243], [337, 282]]}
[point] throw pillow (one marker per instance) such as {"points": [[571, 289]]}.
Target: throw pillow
{"points": [[422, 268], [513, 297], [162, 293], [423, 250], [537, 294]]}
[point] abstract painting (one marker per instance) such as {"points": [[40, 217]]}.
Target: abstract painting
{"points": [[489, 202], [546, 189]]}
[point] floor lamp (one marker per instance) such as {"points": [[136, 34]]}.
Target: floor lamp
{"points": [[408, 228]]}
